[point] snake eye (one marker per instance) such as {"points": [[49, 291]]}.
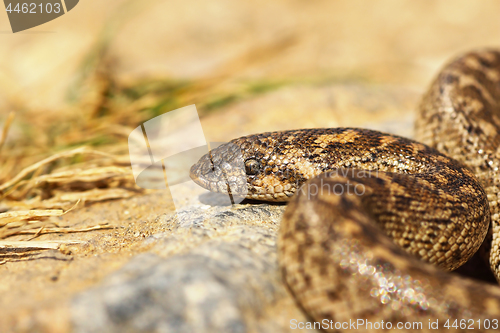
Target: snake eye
{"points": [[252, 167]]}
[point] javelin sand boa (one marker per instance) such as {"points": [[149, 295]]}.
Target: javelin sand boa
{"points": [[367, 187]]}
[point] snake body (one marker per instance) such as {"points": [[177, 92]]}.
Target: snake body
{"points": [[369, 211]]}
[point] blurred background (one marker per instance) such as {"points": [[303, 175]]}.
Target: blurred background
{"points": [[130, 60], [73, 89]]}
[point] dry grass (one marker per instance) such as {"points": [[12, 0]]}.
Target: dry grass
{"points": [[52, 161], [59, 160]]}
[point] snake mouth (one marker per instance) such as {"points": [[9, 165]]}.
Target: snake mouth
{"points": [[201, 178]]}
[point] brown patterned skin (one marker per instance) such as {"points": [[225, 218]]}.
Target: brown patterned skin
{"points": [[366, 187], [460, 116]]}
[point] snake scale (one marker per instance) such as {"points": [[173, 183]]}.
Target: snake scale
{"points": [[369, 211]]}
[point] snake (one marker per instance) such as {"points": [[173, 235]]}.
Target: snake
{"points": [[376, 222]]}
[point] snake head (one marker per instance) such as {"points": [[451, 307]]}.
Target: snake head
{"points": [[222, 170], [254, 167]]}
